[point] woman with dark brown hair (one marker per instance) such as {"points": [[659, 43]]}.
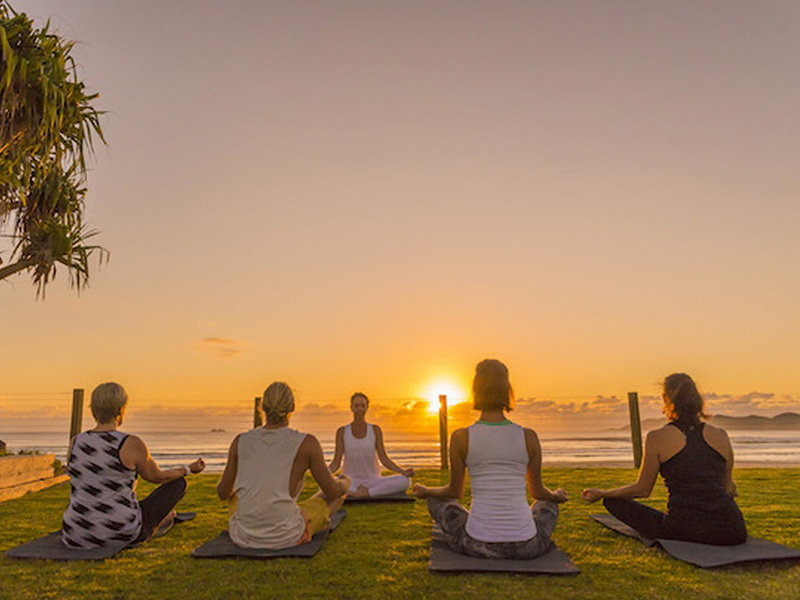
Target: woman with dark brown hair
{"points": [[696, 461]]}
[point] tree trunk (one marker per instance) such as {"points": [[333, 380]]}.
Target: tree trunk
{"points": [[20, 265]]}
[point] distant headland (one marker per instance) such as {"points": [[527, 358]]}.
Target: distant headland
{"points": [[788, 421]]}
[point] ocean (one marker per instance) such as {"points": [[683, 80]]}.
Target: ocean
{"points": [[170, 448]]}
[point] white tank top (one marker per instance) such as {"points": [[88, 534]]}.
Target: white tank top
{"points": [[266, 515], [497, 460], [360, 456]]}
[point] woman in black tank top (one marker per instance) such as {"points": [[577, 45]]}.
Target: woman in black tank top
{"points": [[698, 477]]}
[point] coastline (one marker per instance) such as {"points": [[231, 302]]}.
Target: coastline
{"points": [[628, 464]]}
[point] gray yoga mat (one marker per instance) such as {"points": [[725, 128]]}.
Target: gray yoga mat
{"points": [[398, 497], [51, 547], [223, 547], [446, 560], [705, 555]]}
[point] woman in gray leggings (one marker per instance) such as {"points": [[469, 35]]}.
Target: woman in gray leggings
{"points": [[500, 457]]}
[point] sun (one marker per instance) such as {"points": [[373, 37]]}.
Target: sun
{"points": [[456, 393]]}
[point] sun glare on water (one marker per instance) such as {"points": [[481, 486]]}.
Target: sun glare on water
{"points": [[456, 394]]}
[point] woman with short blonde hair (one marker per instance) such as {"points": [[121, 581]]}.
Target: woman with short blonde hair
{"points": [[264, 476], [103, 463]]}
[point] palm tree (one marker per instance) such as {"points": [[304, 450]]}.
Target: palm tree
{"points": [[47, 127]]}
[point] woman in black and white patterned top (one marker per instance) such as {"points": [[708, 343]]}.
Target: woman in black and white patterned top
{"points": [[103, 464]]}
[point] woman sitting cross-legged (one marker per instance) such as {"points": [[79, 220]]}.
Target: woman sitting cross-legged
{"points": [[696, 461], [362, 445], [102, 464], [264, 477], [500, 456]]}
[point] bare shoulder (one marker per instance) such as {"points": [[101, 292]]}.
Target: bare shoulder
{"points": [[530, 434], [532, 445], [713, 433], [133, 450], [134, 442], [460, 434], [377, 430], [310, 443], [666, 432]]}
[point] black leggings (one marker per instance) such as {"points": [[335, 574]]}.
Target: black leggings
{"points": [[158, 505], [727, 529]]}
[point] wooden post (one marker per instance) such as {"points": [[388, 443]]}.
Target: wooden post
{"points": [[76, 422], [257, 422], [636, 428], [443, 430]]}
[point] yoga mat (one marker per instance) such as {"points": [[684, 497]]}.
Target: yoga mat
{"points": [[398, 497], [223, 547], [707, 556], [51, 547], [183, 517], [444, 559]]}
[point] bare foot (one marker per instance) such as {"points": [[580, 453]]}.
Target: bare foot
{"points": [[165, 525], [361, 492]]}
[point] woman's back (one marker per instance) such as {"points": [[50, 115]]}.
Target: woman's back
{"points": [[696, 476], [700, 507], [497, 460], [266, 514], [103, 509]]}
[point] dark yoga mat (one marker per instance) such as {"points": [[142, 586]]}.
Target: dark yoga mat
{"points": [[223, 547], [398, 497], [446, 560], [51, 547], [705, 555], [183, 517]]}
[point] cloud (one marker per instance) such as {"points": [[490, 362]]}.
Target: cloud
{"points": [[598, 405], [220, 347], [411, 409], [751, 402], [605, 405], [315, 409]]}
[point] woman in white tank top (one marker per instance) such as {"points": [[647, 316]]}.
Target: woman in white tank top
{"points": [[264, 476], [500, 457], [361, 444]]}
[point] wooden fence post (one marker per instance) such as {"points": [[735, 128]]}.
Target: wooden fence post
{"points": [[636, 428], [443, 430], [76, 422], [257, 422]]}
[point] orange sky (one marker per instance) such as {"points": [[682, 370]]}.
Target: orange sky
{"points": [[373, 196]]}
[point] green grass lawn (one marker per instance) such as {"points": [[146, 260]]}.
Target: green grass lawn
{"points": [[381, 551]]}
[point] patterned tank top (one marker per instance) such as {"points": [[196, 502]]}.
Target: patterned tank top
{"points": [[103, 509]]}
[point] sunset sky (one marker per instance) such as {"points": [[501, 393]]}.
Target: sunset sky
{"points": [[377, 195]]}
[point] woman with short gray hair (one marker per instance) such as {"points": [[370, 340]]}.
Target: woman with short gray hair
{"points": [[103, 463]]}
